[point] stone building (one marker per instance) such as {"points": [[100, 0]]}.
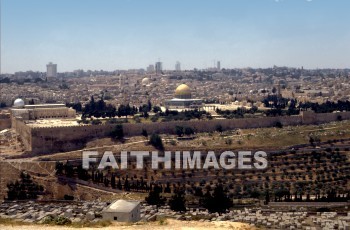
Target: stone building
{"points": [[40, 111], [122, 211]]}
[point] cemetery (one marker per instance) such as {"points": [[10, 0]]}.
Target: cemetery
{"points": [[264, 217]]}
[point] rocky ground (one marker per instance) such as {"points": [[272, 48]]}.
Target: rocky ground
{"points": [[29, 213], [168, 224]]}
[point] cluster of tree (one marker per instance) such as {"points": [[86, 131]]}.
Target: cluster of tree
{"points": [[216, 201], [177, 202], [31, 102], [77, 106], [285, 195], [145, 109], [300, 191], [3, 105], [279, 107], [35, 79], [275, 101], [24, 188], [282, 106], [238, 113], [327, 107], [65, 169], [180, 131], [101, 109], [5, 80], [154, 197], [108, 179], [185, 115]]}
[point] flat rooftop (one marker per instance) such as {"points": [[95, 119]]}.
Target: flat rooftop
{"points": [[181, 99], [122, 206], [42, 106], [51, 122]]}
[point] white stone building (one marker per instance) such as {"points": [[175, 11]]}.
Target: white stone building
{"points": [[122, 211]]}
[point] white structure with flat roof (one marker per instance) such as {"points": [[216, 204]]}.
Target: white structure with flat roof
{"points": [[122, 211], [40, 111]]}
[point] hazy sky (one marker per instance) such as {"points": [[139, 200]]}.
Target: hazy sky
{"points": [[123, 34]]}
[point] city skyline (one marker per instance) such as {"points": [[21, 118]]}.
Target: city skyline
{"points": [[132, 34]]}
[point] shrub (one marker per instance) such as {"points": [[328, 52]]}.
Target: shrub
{"points": [[68, 197], [278, 124], [219, 128], [173, 142], [57, 220], [179, 130], [118, 132], [154, 118], [188, 131], [61, 220], [144, 133], [96, 122], [137, 119], [156, 141]]}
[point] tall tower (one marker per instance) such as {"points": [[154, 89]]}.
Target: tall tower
{"points": [[159, 67], [279, 93], [218, 65], [178, 66], [121, 81], [51, 70]]}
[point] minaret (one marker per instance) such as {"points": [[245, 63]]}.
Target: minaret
{"points": [[279, 94]]}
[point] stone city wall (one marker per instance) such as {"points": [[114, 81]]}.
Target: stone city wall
{"points": [[26, 134], [209, 126], [5, 121], [59, 139]]}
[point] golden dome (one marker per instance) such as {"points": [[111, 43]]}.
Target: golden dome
{"points": [[183, 91]]}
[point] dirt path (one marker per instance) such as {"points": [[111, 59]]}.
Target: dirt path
{"points": [[168, 224]]}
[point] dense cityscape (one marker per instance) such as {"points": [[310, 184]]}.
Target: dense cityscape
{"points": [[174, 115]]}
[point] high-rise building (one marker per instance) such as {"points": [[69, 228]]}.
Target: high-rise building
{"points": [[218, 65], [178, 66], [51, 70], [159, 67], [150, 69]]}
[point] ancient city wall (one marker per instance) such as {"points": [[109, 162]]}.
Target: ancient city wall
{"points": [[5, 121], [59, 139], [208, 126], [25, 133]]}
